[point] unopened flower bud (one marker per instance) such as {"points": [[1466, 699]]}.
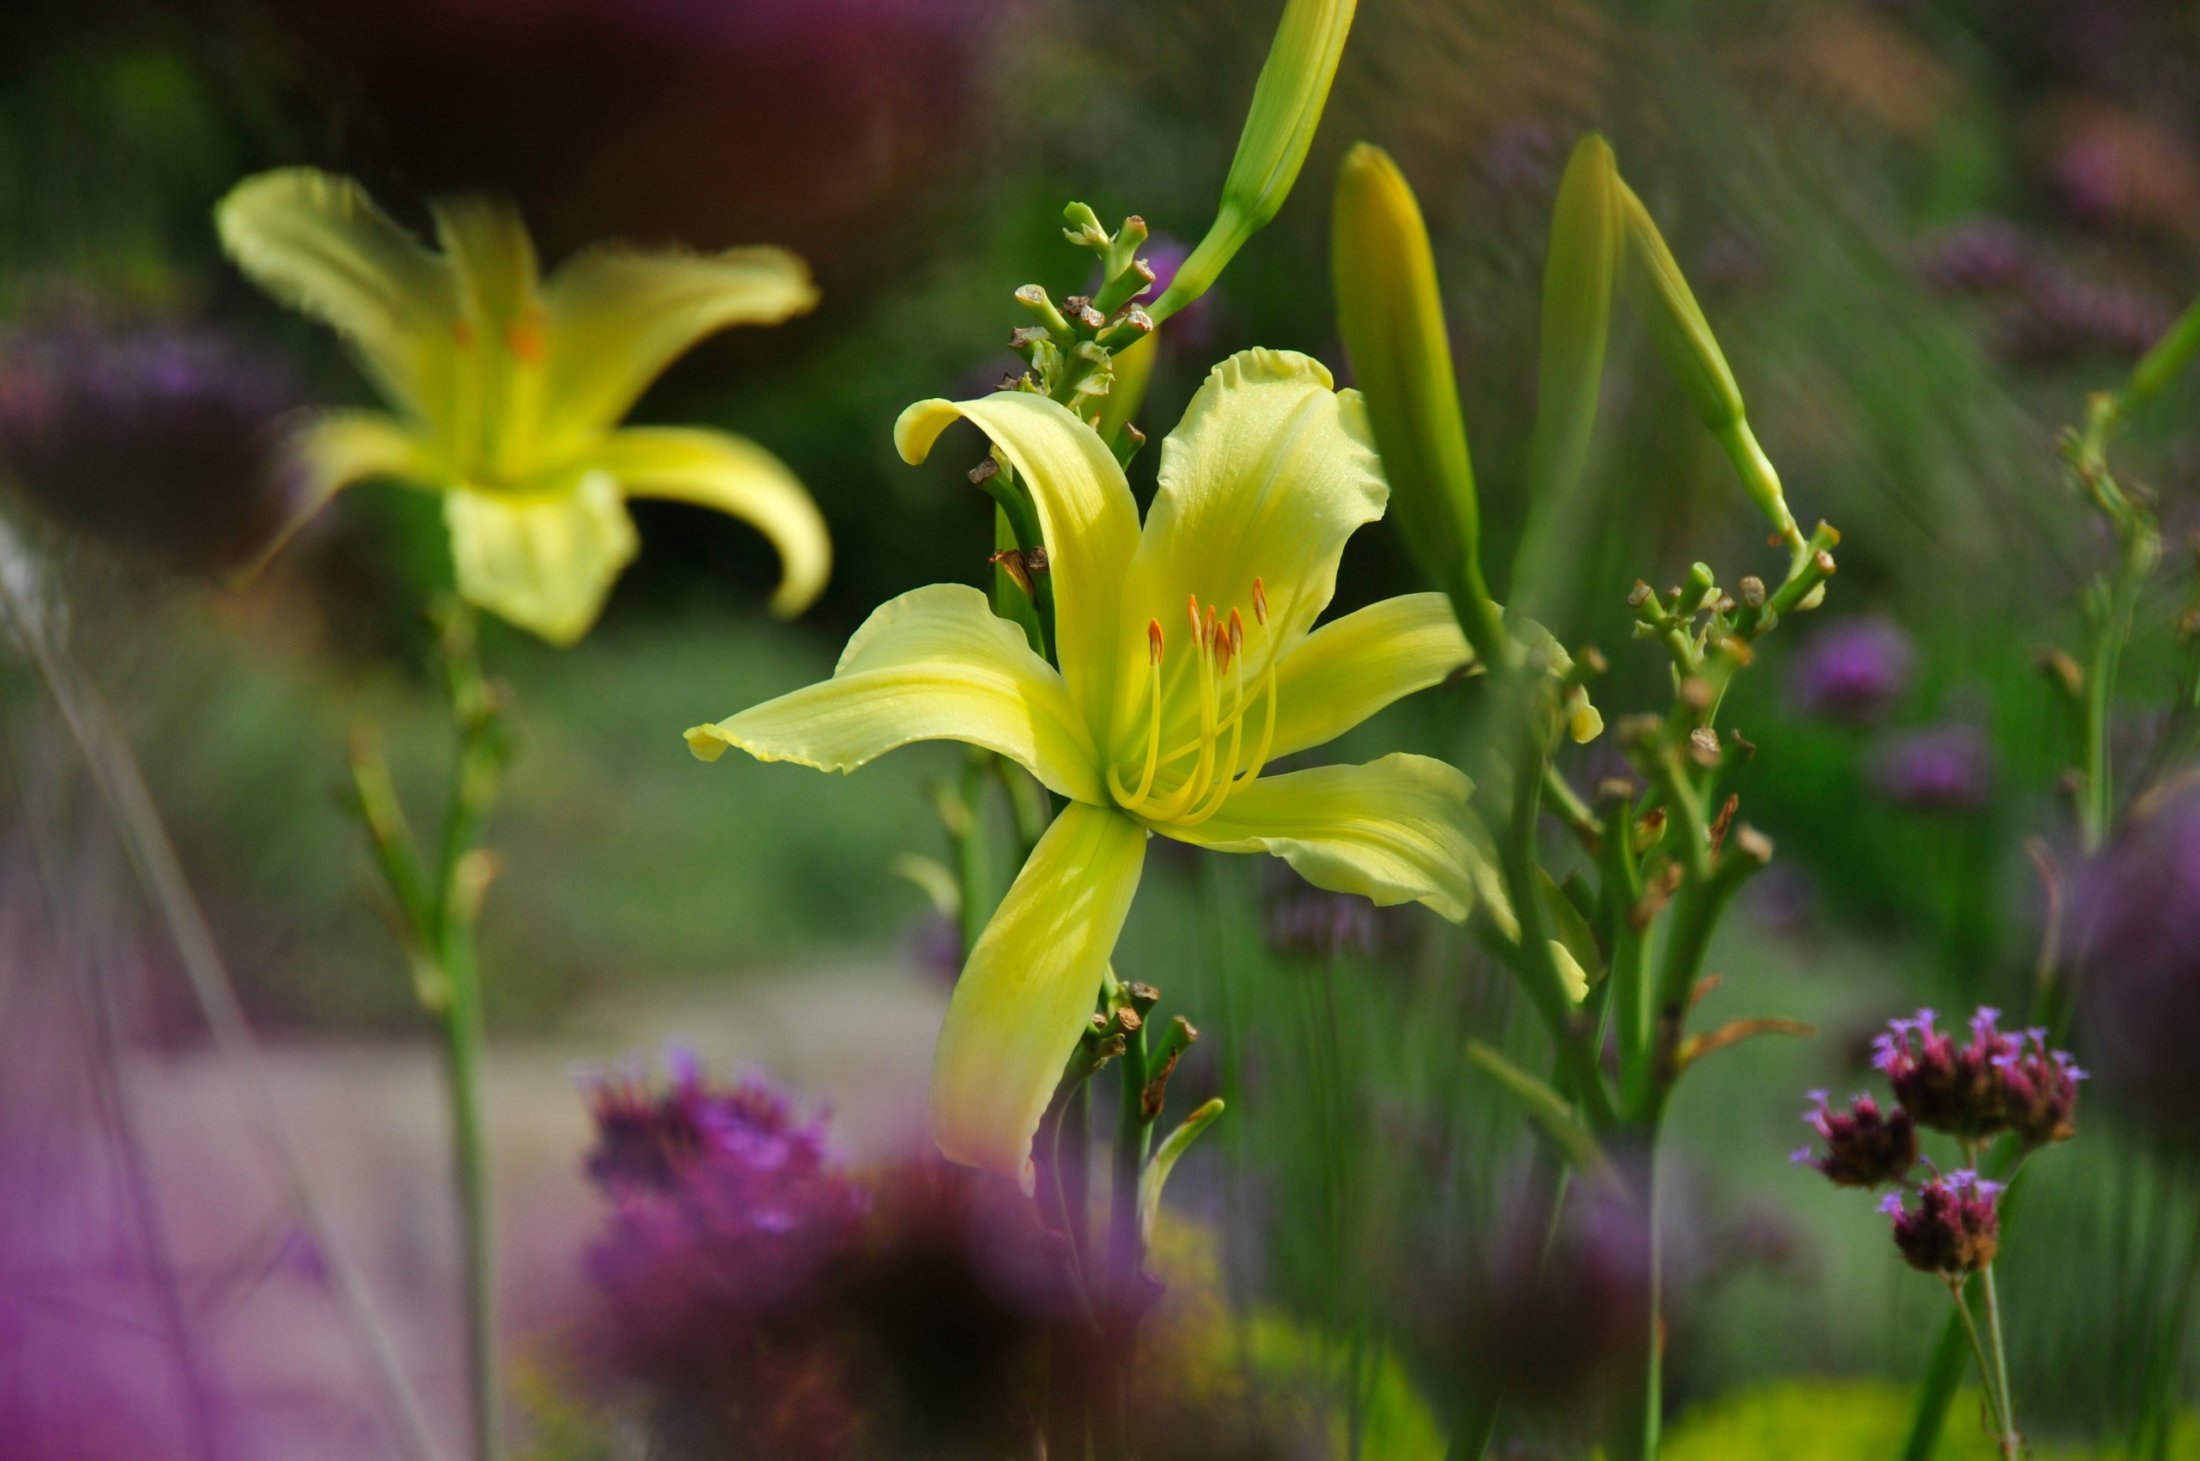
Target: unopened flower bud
{"points": [[1287, 106], [1391, 315]]}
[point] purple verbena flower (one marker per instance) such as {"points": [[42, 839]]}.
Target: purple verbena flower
{"points": [[1955, 1228], [1853, 669], [1943, 1085], [1864, 1148], [2039, 1090], [1938, 768]]}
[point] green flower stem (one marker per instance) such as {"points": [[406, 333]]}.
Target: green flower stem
{"points": [[1985, 1367], [1531, 955], [436, 926], [2011, 1442]]}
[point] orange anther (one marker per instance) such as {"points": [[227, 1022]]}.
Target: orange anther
{"points": [[1237, 633], [1260, 601], [525, 341], [1153, 641]]}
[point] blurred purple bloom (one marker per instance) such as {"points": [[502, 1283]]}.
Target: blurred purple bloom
{"points": [[1978, 256], [1936, 768], [1522, 155], [2140, 950], [1853, 669], [720, 1196], [154, 436]]}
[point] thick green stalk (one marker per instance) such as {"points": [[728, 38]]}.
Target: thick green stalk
{"points": [[464, 1047]]}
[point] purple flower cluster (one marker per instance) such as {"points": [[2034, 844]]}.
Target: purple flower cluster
{"points": [[1974, 1088], [2140, 950], [769, 1303], [722, 1199], [1992, 1083], [1864, 1147], [155, 437], [2045, 309], [1955, 1228], [1853, 670], [1938, 768]]}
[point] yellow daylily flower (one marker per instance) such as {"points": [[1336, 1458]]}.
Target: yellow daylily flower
{"points": [[507, 390], [1189, 662]]}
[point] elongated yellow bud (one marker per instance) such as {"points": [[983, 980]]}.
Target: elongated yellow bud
{"points": [[1692, 353], [1287, 107], [1391, 315]]}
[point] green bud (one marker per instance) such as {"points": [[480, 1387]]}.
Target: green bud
{"points": [[1588, 238], [1683, 337], [1287, 106], [1391, 316]]}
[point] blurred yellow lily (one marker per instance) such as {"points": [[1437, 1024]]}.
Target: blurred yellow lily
{"points": [[1189, 662], [507, 390]]}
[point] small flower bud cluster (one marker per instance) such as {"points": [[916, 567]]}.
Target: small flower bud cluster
{"points": [[1954, 1230]]}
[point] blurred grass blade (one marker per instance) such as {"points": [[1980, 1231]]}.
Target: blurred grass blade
{"points": [[1390, 312], [1587, 244], [1550, 1110], [1683, 337], [2170, 355], [1156, 1175], [1287, 107]]}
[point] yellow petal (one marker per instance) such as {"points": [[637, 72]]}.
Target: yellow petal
{"points": [[732, 475], [1269, 472], [1397, 830], [619, 316], [934, 664], [496, 413], [334, 449], [318, 243], [1352, 667], [545, 563], [1028, 992], [1086, 514]]}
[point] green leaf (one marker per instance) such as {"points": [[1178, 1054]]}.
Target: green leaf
{"points": [[1549, 1108]]}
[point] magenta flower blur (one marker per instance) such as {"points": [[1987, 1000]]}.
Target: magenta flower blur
{"points": [[721, 1197], [1864, 1147], [1940, 768], [1954, 1230], [1853, 670]]}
